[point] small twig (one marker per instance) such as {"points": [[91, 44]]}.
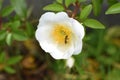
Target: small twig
{"points": [[76, 9]]}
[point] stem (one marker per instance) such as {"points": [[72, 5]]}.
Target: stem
{"points": [[76, 9], [67, 10]]}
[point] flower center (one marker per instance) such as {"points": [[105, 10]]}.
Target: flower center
{"points": [[62, 34]]}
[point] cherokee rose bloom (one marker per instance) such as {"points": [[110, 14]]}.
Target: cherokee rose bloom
{"points": [[59, 35]]}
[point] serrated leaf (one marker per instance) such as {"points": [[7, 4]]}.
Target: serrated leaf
{"points": [[2, 57], [92, 23], [97, 4], [10, 70], [20, 7], [2, 34], [54, 7], [19, 35], [9, 39], [7, 11], [85, 12], [68, 2], [114, 9], [13, 60]]}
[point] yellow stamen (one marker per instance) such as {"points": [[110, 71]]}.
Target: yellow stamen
{"points": [[62, 34]]}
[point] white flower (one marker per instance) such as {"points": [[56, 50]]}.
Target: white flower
{"points": [[59, 35], [70, 62]]}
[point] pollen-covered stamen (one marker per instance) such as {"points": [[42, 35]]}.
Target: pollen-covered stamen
{"points": [[62, 34]]}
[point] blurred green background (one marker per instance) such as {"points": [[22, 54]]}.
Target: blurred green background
{"points": [[21, 57]]}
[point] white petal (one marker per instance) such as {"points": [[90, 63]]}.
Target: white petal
{"points": [[78, 46], [61, 54], [46, 18], [52, 18], [61, 16], [55, 51], [48, 47], [42, 33], [68, 53], [79, 29], [57, 54]]}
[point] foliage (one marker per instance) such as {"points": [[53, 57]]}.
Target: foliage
{"points": [[5, 64], [100, 57], [114, 9], [16, 28]]}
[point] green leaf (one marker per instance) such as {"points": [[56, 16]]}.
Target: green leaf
{"points": [[92, 23], [6, 26], [85, 12], [54, 7], [60, 1], [15, 25], [13, 60], [1, 2], [9, 39], [20, 7], [7, 11], [68, 2], [2, 34], [81, 0], [97, 4], [113, 75], [29, 29], [114, 9], [19, 35], [10, 70], [111, 2], [2, 57], [29, 11]]}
